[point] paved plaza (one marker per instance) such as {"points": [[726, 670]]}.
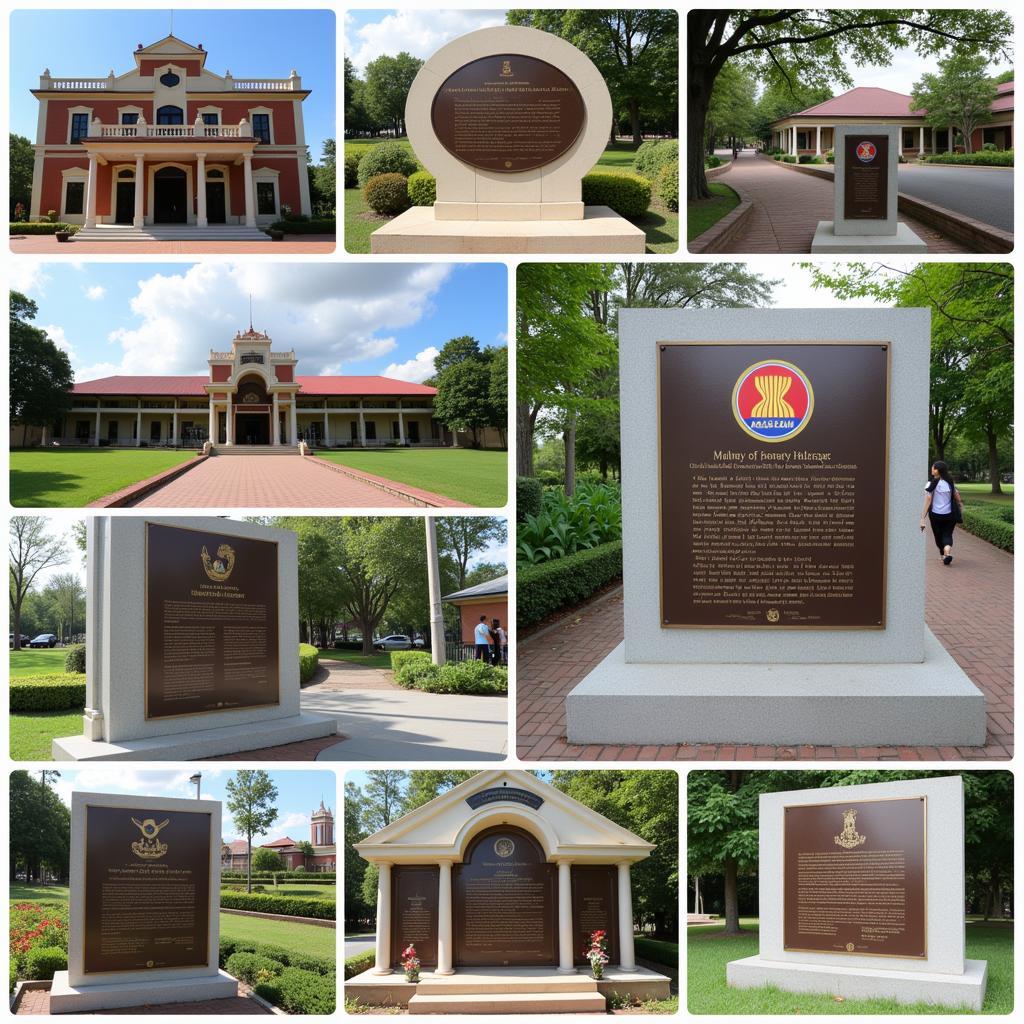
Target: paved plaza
{"points": [[291, 245]]}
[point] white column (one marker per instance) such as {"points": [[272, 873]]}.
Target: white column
{"points": [[565, 950], [275, 427], [294, 422], [174, 425], [383, 964], [140, 189], [138, 426], [201, 190], [401, 424], [327, 428], [362, 426], [96, 443], [213, 423], [250, 206], [792, 140], [817, 140], [920, 146], [444, 920], [90, 193], [899, 139], [229, 424], [627, 958]]}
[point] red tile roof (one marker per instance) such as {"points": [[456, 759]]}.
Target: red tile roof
{"points": [[870, 101], [238, 846], [192, 387], [286, 841]]}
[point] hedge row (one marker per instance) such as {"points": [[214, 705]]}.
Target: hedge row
{"points": [[74, 660], [360, 962], [990, 521], [399, 659], [293, 982], [657, 951], [545, 588], [466, 677], [308, 962], [283, 876], [309, 659], [317, 226], [653, 155], [42, 227], [41, 963], [529, 497], [629, 195], [58, 692], [290, 906], [985, 158], [299, 991]]}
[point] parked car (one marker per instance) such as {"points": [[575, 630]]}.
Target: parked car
{"points": [[44, 640], [395, 642], [24, 640]]}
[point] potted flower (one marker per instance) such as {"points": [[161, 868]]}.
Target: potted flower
{"points": [[63, 236], [596, 953], [410, 963]]}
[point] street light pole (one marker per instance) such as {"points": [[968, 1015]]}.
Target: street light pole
{"points": [[197, 781], [437, 651]]}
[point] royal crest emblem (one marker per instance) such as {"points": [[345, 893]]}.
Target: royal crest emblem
{"points": [[219, 569], [773, 615], [149, 847], [849, 838], [866, 151], [772, 400], [504, 847], [506, 69]]}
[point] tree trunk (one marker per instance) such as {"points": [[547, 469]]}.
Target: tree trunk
{"points": [[993, 461], [634, 121], [248, 865], [732, 905], [700, 82], [524, 439], [17, 624], [569, 441]]}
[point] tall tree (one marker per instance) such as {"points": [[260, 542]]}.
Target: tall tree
{"points": [[22, 157], [960, 95], [354, 867], [40, 830], [461, 537], [388, 81], [427, 785], [383, 797], [31, 551], [67, 598], [732, 110], [250, 800]]}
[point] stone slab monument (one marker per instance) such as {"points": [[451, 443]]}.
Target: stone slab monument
{"points": [[144, 904], [866, 195], [872, 895], [774, 464], [508, 120], [192, 641]]}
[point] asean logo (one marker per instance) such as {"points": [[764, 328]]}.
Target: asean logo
{"points": [[866, 152], [773, 400]]}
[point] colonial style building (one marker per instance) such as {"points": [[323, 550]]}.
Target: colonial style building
{"points": [[169, 142], [321, 837], [810, 131]]}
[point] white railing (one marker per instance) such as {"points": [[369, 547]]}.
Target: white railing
{"points": [[266, 84], [282, 357], [170, 131], [74, 83], [221, 355]]}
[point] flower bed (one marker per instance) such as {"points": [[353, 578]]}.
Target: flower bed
{"points": [[38, 940]]}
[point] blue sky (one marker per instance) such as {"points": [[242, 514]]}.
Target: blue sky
{"points": [[299, 792], [341, 318], [265, 43]]}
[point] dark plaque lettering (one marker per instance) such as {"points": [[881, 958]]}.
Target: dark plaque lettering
{"points": [[147, 889], [510, 793], [854, 878], [595, 907], [507, 113], [414, 912], [505, 902], [866, 182], [773, 484], [211, 622]]}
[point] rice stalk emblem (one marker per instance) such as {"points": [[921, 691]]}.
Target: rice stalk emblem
{"points": [[849, 838], [219, 568]]}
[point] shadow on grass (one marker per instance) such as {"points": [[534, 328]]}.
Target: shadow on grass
{"points": [[29, 489]]}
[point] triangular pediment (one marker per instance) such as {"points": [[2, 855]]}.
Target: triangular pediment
{"points": [[170, 44]]}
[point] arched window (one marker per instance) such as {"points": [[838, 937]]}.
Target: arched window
{"points": [[127, 173], [170, 115], [214, 174]]}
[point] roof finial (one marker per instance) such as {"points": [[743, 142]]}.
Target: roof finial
{"points": [[250, 312]]}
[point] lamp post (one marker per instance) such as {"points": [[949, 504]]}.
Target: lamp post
{"points": [[437, 650], [197, 781]]}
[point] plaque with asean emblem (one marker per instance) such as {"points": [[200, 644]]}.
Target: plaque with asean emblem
{"points": [[773, 479], [211, 622]]}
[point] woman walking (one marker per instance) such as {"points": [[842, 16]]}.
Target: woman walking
{"points": [[943, 508]]}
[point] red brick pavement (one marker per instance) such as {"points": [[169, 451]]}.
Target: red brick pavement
{"points": [[46, 245], [969, 607], [788, 206], [37, 1001]]}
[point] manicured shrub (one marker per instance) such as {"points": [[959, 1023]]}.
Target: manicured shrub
{"points": [[313, 226], [399, 659], [776, 156], [808, 158], [43, 227], [385, 158], [360, 962], [629, 195], [545, 588], [41, 963], [712, 160], [308, 962], [478, 678], [529, 497], [247, 967], [986, 158], [989, 147], [351, 170], [657, 951], [320, 877], [309, 660], [387, 193], [74, 660], [422, 189], [299, 991], [830, 156], [416, 674], [789, 159], [667, 185], [990, 521], [651, 156], [63, 692], [290, 906]]}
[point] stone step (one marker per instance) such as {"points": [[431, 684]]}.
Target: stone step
{"points": [[172, 233], [469, 984], [510, 1002], [255, 449]]}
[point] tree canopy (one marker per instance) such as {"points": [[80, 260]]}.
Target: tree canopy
{"points": [[250, 797], [40, 829], [960, 95]]}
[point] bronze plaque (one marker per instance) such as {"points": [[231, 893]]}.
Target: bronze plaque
{"points": [[773, 461], [414, 911], [507, 113], [595, 907], [147, 889], [505, 903], [866, 181], [211, 622], [854, 878]]}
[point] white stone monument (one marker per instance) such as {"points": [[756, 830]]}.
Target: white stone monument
{"points": [[866, 195], [508, 120], [144, 904], [762, 674], [192, 641], [877, 856]]}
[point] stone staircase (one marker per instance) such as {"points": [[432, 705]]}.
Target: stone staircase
{"points": [[487, 993], [255, 449], [171, 233]]}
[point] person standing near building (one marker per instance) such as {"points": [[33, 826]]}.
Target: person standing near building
{"points": [[482, 638], [502, 643], [943, 508]]}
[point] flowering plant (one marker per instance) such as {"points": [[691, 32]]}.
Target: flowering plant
{"points": [[410, 963], [597, 952]]}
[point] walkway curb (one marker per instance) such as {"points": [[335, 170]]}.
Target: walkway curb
{"points": [[425, 499], [717, 172], [127, 495], [720, 235]]}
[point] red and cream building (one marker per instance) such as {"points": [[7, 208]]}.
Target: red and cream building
{"points": [[169, 142], [321, 837]]}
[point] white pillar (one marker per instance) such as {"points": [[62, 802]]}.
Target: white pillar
{"points": [[96, 442], [250, 206], [138, 426], [201, 190], [174, 425], [327, 428], [401, 425], [899, 139], [444, 919], [140, 188], [229, 424], [362, 427], [627, 958], [275, 426], [212, 438], [920, 145], [565, 944], [294, 421], [383, 963], [792, 140], [817, 140], [90, 193]]}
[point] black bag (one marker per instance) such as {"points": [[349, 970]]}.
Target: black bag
{"points": [[957, 508]]}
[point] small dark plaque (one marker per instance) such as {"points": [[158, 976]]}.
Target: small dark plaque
{"points": [[595, 907], [147, 889], [414, 911], [866, 182], [211, 622], [854, 878], [507, 113], [773, 484], [498, 793]]}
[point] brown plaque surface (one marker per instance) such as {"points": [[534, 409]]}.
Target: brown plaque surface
{"points": [[505, 902], [414, 912], [866, 184], [854, 878], [507, 113], [211, 622], [147, 889], [773, 484], [595, 906]]}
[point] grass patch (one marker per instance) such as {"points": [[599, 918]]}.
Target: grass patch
{"points": [[41, 662], [475, 477], [708, 953], [379, 659], [59, 478], [327, 892], [33, 732], [21, 893], [308, 939], [355, 1006], [701, 214], [631, 1004], [984, 492]]}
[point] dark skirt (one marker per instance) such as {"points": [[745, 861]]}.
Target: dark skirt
{"points": [[942, 529]]}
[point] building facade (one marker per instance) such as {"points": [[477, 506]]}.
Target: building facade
{"points": [[489, 599], [324, 858], [169, 142]]}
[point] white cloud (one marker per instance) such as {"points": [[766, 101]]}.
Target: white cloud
{"points": [[415, 370], [95, 292], [27, 276], [57, 335]]}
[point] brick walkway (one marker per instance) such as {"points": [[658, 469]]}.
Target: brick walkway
{"points": [[788, 206], [969, 607], [47, 245], [36, 1001]]}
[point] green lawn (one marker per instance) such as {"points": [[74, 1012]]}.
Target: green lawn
{"points": [[37, 662], [73, 478], [708, 953], [702, 213], [34, 893], [327, 892], [475, 477], [32, 731], [378, 659], [983, 492], [299, 938]]}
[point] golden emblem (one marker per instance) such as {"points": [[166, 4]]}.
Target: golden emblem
{"points": [[506, 69], [149, 847], [772, 388], [773, 615], [849, 947], [849, 837], [504, 847], [219, 568]]}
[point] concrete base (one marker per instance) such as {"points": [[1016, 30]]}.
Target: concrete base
{"points": [[827, 241], [964, 991], [148, 990], [191, 746], [419, 231], [929, 703]]}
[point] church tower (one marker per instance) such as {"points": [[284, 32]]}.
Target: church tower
{"points": [[321, 826]]}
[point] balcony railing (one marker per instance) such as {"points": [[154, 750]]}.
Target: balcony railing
{"points": [[198, 130], [292, 83]]}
